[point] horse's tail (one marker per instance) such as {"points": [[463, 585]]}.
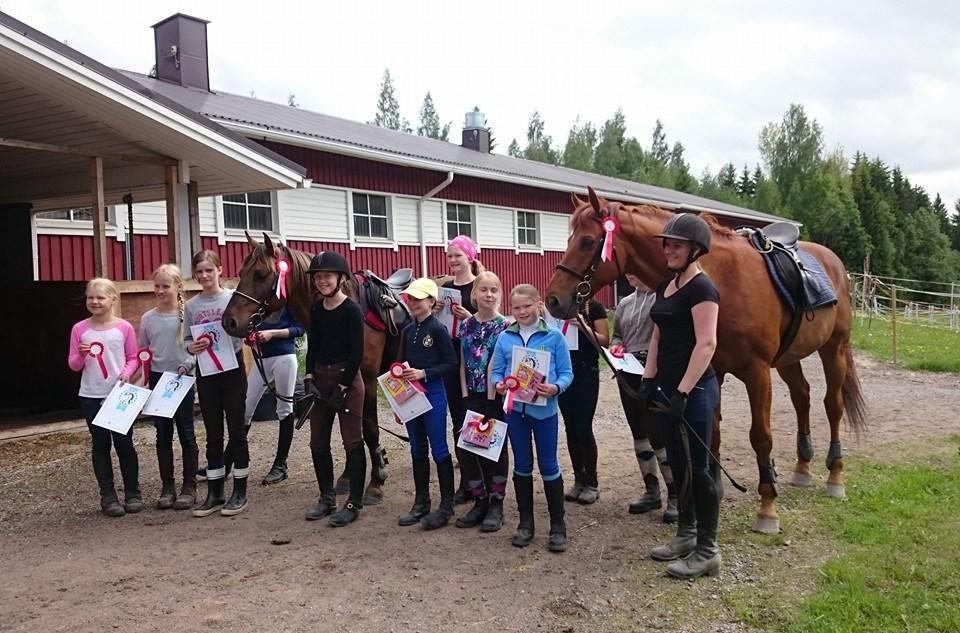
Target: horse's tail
{"points": [[853, 403]]}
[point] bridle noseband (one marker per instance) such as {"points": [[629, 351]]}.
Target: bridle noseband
{"points": [[584, 289]]}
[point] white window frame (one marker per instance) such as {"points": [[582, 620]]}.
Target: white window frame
{"points": [[63, 226], [388, 208], [233, 231], [471, 221], [536, 246]]}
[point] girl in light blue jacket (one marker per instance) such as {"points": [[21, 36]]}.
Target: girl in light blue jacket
{"points": [[529, 423]]}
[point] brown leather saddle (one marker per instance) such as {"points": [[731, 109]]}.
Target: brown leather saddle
{"points": [[380, 301]]}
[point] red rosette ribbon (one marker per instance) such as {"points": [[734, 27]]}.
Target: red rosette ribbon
{"points": [[250, 339], [483, 425], [213, 355], [610, 226], [145, 356], [565, 327], [617, 351], [512, 383], [283, 268], [96, 351], [397, 369]]}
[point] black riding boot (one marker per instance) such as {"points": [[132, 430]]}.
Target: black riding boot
{"points": [[103, 470], [327, 502], [130, 471], [278, 472], [168, 487], [476, 514], [444, 511], [523, 486], [685, 541], [237, 502], [421, 499], [188, 493], [357, 469], [553, 490], [705, 559], [670, 512], [214, 500]]}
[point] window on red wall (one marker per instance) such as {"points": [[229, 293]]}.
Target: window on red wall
{"points": [[527, 234], [459, 220], [248, 211], [371, 217]]}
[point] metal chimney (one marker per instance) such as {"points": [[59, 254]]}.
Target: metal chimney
{"points": [[180, 48], [475, 135]]}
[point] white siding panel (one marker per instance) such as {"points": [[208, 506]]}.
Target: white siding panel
{"points": [[495, 228], [313, 214], [433, 222], [556, 229], [208, 216], [148, 217], [405, 220]]}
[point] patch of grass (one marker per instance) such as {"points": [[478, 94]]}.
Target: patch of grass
{"points": [[898, 552], [918, 347]]}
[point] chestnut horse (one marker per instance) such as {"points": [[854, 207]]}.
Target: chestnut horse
{"points": [[256, 295], [750, 325]]}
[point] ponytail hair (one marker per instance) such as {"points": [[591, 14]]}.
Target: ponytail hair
{"points": [[477, 268], [173, 272]]}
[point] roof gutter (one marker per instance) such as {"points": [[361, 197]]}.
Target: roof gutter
{"points": [[313, 142], [420, 226]]}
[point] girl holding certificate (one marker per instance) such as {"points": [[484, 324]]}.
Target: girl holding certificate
{"points": [[486, 479], [221, 392], [464, 266], [334, 354], [161, 339], [104, 349], [527, 423], [426, 349]]}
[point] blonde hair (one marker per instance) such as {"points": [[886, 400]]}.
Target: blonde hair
{"points": [[173, 272], [104, 285], [482, 276], [526, 290]]}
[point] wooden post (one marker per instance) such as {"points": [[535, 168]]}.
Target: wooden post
{"points": [[173, 217], [893, 319], [97, 210], [952, 305], [193, 201]]}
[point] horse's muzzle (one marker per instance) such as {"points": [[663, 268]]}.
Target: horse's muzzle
{"points": [[561, 309]]}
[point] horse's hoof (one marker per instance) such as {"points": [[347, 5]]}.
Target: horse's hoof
{"points": [[373, 496], [837, 491], [765, 525], [801, 480]]}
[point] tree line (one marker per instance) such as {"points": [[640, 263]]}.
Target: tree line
{"points": [[863, 208]]}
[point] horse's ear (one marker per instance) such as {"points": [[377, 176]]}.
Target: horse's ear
{"points": [[268, 246], [575, 200], [595, 201], [252, 242]]}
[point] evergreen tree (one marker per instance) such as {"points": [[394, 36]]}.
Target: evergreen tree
{"points": [[578, 152], [876, 214], [680, 170], [514, 149], [659, 149], [430, 121], [955, 227], [539, 143], [940, 209], [292, 100], [767, 197], [608, 158], [727, 177], [746, 186], [388, 109]]}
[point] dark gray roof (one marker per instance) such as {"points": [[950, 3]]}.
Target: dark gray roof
{"points": [[224, 106]]}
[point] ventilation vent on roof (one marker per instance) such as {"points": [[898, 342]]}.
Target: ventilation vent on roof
{"points": [[180, 46], [476, 136]]}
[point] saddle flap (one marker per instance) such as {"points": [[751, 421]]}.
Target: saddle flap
{"points": [[786, 234]]}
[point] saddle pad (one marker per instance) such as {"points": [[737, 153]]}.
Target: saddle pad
{"points": [[826, 295], [803, 290]]}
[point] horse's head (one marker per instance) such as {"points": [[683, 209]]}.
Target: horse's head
{"points": [[581, 272], [255, 296]]}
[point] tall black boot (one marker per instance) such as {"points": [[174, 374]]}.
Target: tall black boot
{"points": [[237, 502], [168, 487], [523, 486], [103, 471], [357, 470], [323, 468], [130, 471], [705, 559], [439, 518], [373, 495], [670, 512], [214, 500], [685, 540], [553, 490], [421, 499], [278, 472]]}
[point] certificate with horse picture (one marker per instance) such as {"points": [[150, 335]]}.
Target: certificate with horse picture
{"points": [[448, 298], [497, 436], [170, 391], [219, 355], [412, 403], [531, 367], [121, 407]]}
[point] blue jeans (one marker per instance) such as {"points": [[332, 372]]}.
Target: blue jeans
{"points": [[428, 432], [183, 419], [523, 430], [701, 406]]}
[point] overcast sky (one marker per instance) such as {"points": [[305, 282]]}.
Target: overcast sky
{"points": [[880, 77]]}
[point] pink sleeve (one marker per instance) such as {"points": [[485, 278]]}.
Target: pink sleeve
{"points": [[129, 350], [74, 358]]}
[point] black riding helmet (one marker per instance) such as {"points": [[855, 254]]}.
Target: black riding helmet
{"points": [[688, 227], [329, 261]]}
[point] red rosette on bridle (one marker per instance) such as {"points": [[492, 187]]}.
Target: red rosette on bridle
{"points": [[397, 369], [96, 351], [145, 356], [610, 226], [208, 336], [283, 268], [250, 339], [512, 383]]}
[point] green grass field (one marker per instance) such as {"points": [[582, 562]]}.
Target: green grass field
{"points": [[918, 347]]}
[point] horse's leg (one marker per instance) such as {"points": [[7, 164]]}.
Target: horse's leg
{"points": [[800, 395], [715, 441], [757, 381], [373, 350], [834, 359]]}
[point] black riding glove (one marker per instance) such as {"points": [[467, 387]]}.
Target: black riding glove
{"points": [[309, 387], [678, 405], [493, 410], [336, 398], [645, 392]]}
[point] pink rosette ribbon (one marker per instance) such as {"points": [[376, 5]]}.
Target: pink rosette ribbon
{"points": [[396, 370], [617, 351], [565, 327], [610, 226], [283, 268], [251, 339], [96, 351], [453, 326], [213, 355], [145, 356], [512, 383]]}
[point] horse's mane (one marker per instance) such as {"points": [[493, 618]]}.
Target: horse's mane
{"points": [[585, 212]]}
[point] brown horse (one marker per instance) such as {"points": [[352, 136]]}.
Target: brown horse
{"points": [[256, 295], [751, 322]]}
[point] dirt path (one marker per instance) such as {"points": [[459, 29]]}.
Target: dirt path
{"points": [[64, 567]]}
